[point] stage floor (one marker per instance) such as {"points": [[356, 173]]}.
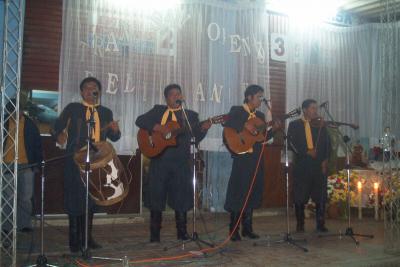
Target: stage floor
{"points": [[130, 239]]}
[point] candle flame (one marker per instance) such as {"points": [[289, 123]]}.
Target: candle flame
{"points": [[376, 186], [359, 185]]}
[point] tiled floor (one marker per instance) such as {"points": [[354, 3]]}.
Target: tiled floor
{"points": [[129, 237]]}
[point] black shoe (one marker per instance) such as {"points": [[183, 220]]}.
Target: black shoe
{"points": [[234, 218], [154, 238], [155, 226], [247, 223], [251, 235], [320, 217], [322, 229], [181, 221], [299, 210], [183, 236], [235, 236], [74, 233]]}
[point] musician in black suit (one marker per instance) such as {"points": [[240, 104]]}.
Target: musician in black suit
{"points": [[170, 173], [71, 128], [245, 164], [311, 146]]}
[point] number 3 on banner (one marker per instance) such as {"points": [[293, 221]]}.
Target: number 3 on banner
{"points": [[278, 47]]}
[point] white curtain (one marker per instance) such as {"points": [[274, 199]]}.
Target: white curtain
{"points": [[342, 65], [213, 49]]}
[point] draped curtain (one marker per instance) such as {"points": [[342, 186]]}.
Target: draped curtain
{"points": [[343, 65], [213, 49]]}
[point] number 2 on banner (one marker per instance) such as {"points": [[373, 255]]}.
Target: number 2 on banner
{"points": [[278, 47]]}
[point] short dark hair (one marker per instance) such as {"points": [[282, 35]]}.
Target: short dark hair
{"points": [[171, 86], [88, 80], [307, 103], [252, 90]]}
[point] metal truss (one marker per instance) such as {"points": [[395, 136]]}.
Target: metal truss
{"points": [[14, 11], [390, 81]]}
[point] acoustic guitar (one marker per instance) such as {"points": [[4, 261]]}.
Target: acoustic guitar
{"points": [[241, 142], [152, 144]]}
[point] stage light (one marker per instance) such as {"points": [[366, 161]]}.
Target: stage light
{"points": [[147, 5], [306, 11]]}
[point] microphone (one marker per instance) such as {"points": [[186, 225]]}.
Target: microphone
{"points": [[324, 105], [95, 94], [179, 101], [266, 103]]}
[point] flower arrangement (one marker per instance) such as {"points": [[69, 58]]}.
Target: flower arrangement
{"points": [[337, 187]]}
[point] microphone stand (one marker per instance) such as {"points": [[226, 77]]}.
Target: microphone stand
{"points": [[349, 230], [41, 260], [287, 238], [89, 144], [193, 147], [86, 254]]}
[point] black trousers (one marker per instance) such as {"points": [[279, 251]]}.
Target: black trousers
{"points": [[170, 181], [309, 181]]}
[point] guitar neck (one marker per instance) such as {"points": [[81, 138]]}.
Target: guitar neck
{"points": [[270, 123], [213, 120]]}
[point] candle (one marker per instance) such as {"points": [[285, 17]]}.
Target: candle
{"points": [[376, 195], [359, 187]]}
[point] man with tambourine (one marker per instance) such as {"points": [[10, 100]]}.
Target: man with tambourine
{"points": [[71, 128]]}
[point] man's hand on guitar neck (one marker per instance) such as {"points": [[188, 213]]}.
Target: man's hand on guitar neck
{"points": [[206, 125]]}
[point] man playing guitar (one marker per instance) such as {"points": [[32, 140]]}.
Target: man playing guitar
{"points": [[244, 165], [169, 175]]}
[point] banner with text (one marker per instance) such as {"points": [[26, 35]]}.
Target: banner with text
{"points": [[212, 50]]}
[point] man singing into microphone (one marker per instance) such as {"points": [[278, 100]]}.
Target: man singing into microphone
{"points": [[311, 146], [244, 165], [71, 128], [170, 175]]}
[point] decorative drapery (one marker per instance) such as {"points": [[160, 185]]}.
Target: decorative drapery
{"points": [[343, 65], [212, 49]]}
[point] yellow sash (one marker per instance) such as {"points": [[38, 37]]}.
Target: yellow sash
{"points": [[251, 114], [166, 114], [309, 138], [96, 132]]}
